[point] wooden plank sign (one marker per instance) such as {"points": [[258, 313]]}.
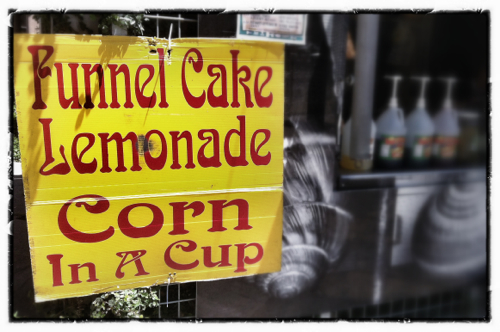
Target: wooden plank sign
{"points": [[142, 160]]}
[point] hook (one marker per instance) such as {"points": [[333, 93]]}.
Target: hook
{"points": [[168, 285], [169, 43], [170, 37], [170, 277]]}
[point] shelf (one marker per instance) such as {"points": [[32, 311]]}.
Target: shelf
{"points": [[408, 178]]}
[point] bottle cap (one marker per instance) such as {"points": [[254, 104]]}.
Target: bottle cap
{"points": [[423, 80], [393, 102], [449, 85]]}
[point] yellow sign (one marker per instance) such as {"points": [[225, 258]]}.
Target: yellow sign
{"points": [[143, 160]]}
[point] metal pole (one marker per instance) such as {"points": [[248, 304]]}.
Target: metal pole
{"points": [[157, 27], [169, 18], [179, 26], [366, 56], [159, 302], [336, 26], [179, 300]]}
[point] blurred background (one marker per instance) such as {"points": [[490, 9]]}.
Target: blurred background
{"points": [[385, 170]]}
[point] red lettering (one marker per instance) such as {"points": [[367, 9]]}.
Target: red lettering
{"points": [[55, 261], [217, 213], [179, 208], [75, 103], [114, 91], [158, 162], [242, 258], [80, 166], [163, 103], [175, 149], [101, 205], [117, 137], [195, 102], [62, 168], [203, 160], [224, 261], [254, 153], [191, 246], [144, 102], [137, 232], [259, 99], [241, 159], [242, 80], [136, 258], [40, 72], [75, 278], [88, 92], [218, 101]]}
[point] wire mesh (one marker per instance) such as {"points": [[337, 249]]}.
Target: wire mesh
{"points": [[177, 301]]}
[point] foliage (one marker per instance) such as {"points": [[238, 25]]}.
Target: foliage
{"points": [[60, 23], [133, 23], [130, 303], [16, 152]]}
